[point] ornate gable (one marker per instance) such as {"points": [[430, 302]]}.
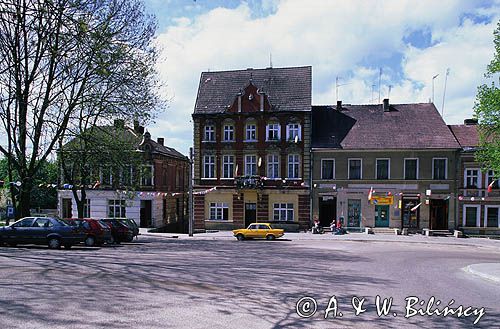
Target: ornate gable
{"points": [[250, 99]]}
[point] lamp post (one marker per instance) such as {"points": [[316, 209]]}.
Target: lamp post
{"points": [[191, 199]]}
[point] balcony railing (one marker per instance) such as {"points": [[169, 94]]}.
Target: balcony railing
{"points": [[249, 182], [479, 192]]}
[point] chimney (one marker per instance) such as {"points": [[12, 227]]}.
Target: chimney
{"points": [[387, 107], [160, 140], [339, 105], [470, 122], [119, 123]]}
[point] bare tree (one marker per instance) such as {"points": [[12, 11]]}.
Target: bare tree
{"points": [[62, 56]]}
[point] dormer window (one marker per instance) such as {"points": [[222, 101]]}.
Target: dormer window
{"points": [[209, 134], [273, 132]]}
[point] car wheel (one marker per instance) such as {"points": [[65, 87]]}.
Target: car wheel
{"points": [[129, 239], [90, 241], [67, 246], [111, 240], [54, 243], [240, 237], [270, 237]]}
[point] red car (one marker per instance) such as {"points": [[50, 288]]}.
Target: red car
{"points": [[96, 232]]}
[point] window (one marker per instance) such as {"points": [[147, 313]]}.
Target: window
{"points": [[219, 211], [327, 169], [471, 215], [86, 208], [228, 133], [106, 175], [26, 222], [353, 212], [209, 166], [228, 166], [383, 168], [126, 176], [492, 216], [116, 209], [472, 178], [250, 165], [273, 132], [411, 169], [209, 133], [354, 169], [490, 177], [273, 165], [292, 131], [283, 212], [293, 166], [147, 175], [43, 222], [439, 168], [251, 132]]}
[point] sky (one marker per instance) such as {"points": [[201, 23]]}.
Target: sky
{"points": [[349, 44]]}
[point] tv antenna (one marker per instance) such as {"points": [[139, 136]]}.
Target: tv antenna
{"points": [[337, 85], [379, 80], [444, 91], [434, 77]]}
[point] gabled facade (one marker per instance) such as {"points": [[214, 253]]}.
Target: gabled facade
{"points": [[478, 209], [153, 191], [251, 143], [388, 166]]}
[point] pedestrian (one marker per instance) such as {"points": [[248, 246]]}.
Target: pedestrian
{"points": [[333, 226]]}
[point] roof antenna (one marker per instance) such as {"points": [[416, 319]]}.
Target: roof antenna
{"points": [[444, 91], [389, 94], [379, 79], [271, 60]]}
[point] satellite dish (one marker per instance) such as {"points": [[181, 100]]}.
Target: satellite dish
{"points": [[296, 139]]}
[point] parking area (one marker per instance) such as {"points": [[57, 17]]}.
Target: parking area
{"points": [[210, 282]]}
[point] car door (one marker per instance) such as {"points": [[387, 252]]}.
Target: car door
{"points": [[20, 231], [252, 231], [40, 230], [263, 230]]}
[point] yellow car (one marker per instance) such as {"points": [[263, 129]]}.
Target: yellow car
{"points": [[258, 231]]}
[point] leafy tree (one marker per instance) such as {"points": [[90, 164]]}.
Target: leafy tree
{"points": [[487, 111], [61, 58]]}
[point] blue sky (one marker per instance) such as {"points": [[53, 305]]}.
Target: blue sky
{"points": [[411, 41]]}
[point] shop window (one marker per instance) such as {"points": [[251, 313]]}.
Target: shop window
{"points": [[354, 213]]}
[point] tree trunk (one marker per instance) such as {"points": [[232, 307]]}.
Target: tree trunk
{"points": [[80, 202], [24, 198]]}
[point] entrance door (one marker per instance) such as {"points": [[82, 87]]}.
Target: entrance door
{"points": [[327, 210], [145, 213], [66, 208], [381, 216], [250, 213], [438, 214]]}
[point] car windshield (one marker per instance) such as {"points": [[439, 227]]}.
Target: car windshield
{"points": [[270, 226], [63, 222]]}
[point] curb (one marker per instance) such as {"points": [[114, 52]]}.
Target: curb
{"points": [[480, 274]]}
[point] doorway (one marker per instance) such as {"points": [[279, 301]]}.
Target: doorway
{"points": [[327, 210], [438, 214], [145, 213], [381, 216], [250, 213], [66, 208]]}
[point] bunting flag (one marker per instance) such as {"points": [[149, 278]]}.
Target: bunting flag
{"points": [[370, 194], [206, 191], [490, 187], [96, 184], [416, 207]]}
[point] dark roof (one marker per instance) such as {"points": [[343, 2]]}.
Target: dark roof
{"points": [[161, 149], [288, 89], [466, 135], [405, 126]]}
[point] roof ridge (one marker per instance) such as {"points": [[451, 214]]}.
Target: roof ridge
{"points": [[258, 69]]}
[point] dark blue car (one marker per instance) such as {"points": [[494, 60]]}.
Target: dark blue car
{"points": [[43, 231]]}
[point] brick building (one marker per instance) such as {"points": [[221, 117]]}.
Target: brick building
{"points": [[251, 143]]}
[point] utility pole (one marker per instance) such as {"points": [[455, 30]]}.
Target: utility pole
{"points": [[191, 199]]}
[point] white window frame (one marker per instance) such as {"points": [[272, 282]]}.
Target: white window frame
{"points": [[445, 168], [211, 164], [275, 127], [86, 208], [248, 132], [488, 176], [229, 164], [274, 163], [293, 163], [333, 173], [284, 206], [117, 204], [418, 167], [247, 163], [209, 132], [349, 168], [388, 168], [218, 208], [152, 175], [228, 131], [479, 177], [478, 214], [288, 130], [486, 207]]}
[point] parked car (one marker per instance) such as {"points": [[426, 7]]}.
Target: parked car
{"points": [[51, 231], [96, 232], [258, 231], [119, 230], [131, 224]]}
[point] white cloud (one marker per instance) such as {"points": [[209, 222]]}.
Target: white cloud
{"points": [[337, 38]]}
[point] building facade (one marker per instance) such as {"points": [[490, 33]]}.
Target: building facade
{"points": [[478, 207], [251, 148], [387, 166], [153, 192]]}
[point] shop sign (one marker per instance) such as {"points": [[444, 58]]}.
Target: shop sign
{"points": [[382, 199]]}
